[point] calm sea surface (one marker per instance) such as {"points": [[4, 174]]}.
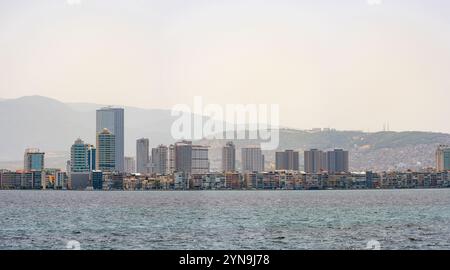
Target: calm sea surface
{"points": [[398, 219]]}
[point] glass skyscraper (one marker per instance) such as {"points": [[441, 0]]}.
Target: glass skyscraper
{"points": [[33, 160], [113, 120], [82, 157]]}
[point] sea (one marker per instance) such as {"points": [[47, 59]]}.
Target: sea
{"points": [[225, 220]]}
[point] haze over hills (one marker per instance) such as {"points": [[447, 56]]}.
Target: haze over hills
{"points": [[368, 151], [52, 126]]}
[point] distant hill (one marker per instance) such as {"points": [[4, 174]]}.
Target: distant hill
{"points": [[53, 126], [368, 151]]}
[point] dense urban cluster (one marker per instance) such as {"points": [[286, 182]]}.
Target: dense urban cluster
{"points": [[185, 166], [276, 180]]}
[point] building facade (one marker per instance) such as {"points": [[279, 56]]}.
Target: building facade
{"points": [[287, 160], [200, 159], [130, 165], [229, 157], [113, 120], [160, 160], [97, 180], [315, 161], [337, 161], [252, 159], [443, 158], [191, 159], [171, 156], [142, 156], [82, 157], [106, 153], [34, 160], [183, 157]]}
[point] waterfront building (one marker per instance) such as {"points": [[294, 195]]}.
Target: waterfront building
{"points": [[97, 180], [113, 120], [33, 160], [160, 160], [337, 161], [315, 161], [287, 160], [79, 180], [254, 180], [49, 178], [171, 157], [183, 157], [106, 151], [252, 159], [82, 157], [232, 180], [130, 165], [38, 180], [181, 181], [443, 158], [229, 157], [213, 181], [92, 157], [27, 180], [60, 180], [191, 159], [10, 180], [271, 180], [142, 156], [200, 159]]}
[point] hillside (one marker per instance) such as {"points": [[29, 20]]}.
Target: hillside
{"points": [[53, 126], [368, 151]]}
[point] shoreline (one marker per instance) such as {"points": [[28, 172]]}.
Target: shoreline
{"points": [[230, 190]]}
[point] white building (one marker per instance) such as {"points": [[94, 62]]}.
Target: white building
{"points": [[130, 165]]}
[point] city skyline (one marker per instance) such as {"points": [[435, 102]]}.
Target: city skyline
{"points": [[187, 158], [215, 163], [190, 158], [242, 127]]}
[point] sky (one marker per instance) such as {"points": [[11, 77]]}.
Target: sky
{"points": [[349, 64]]}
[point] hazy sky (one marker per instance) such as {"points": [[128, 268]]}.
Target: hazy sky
{"points": [[348, 64]]}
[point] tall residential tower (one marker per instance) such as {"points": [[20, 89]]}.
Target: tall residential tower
{"points": [[113, 120], [229, 157], [82, 157], [443, 158], [315, 161], [160, 160], [106, 153], [252, 159], [337, 161], [191, 159], [142, 156], [287, 160]]}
